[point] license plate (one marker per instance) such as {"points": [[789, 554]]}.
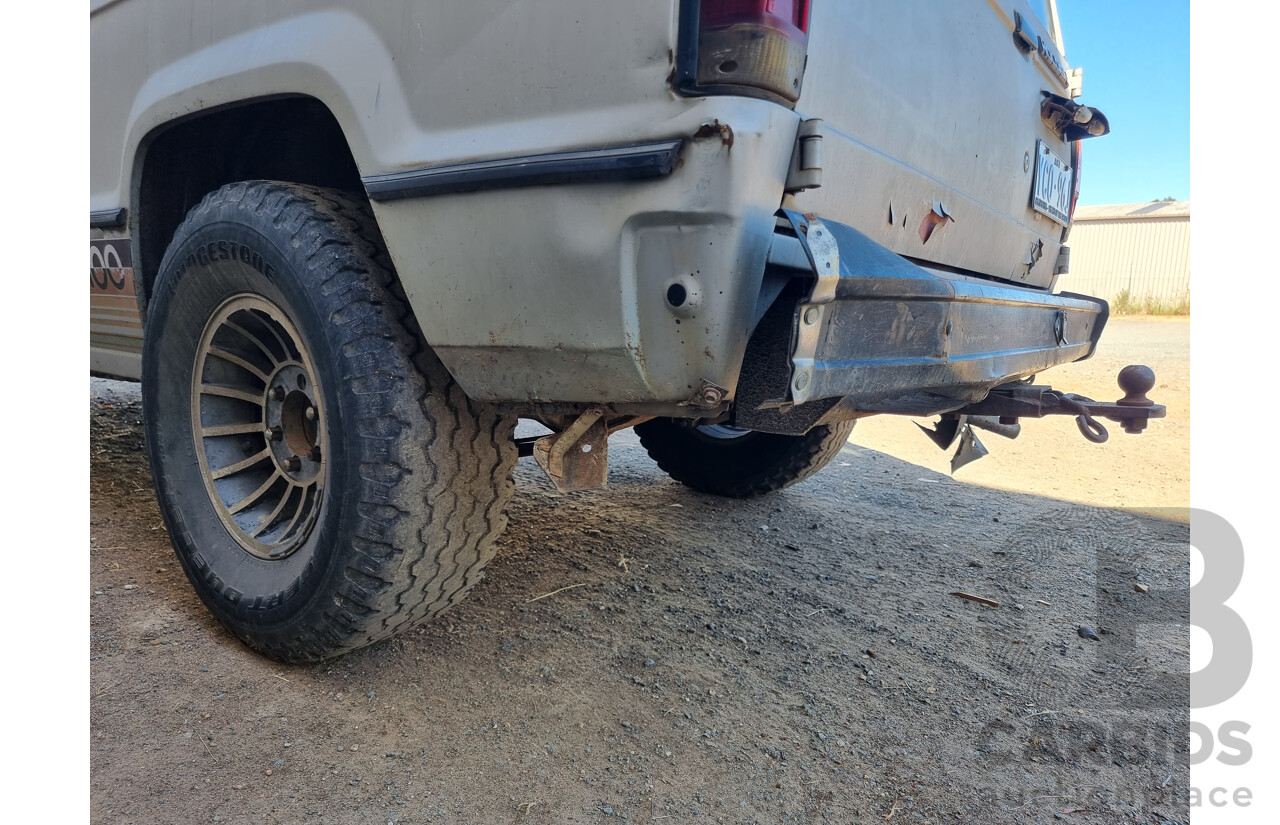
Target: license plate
{"points": [[1051, 186]]}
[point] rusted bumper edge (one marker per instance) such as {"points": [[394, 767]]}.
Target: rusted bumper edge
{"points": [[884, 335]]}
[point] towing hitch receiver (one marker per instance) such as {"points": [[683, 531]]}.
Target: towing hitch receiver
{"points": [[1001, 410]]}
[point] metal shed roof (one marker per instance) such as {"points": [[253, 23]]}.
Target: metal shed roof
{"points": [[1159, 209]]}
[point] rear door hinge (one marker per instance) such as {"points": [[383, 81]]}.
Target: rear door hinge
{"points": [[806, 158]]}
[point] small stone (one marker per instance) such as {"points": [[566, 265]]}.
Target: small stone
{"points": [[339, 749], [288, 744], [268, 771], [97, 592], [355, 747], [1140, 588], [649, 663], [130, 587], [1085, 632]]}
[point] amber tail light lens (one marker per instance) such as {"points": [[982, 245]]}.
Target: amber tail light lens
{"points": [[746, 47]]}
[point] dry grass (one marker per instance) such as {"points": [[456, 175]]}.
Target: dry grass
{"points": [[1126, 304]]}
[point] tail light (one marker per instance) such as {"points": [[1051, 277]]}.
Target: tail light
{"points": [[743, 47]]}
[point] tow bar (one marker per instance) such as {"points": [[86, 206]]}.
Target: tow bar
{"points": [[1001, 410]]}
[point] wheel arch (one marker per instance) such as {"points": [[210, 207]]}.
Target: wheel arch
{"points": [[330, 70], [290, 138]]}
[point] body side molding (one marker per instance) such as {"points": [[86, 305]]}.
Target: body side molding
{"points": [[649, 160]]}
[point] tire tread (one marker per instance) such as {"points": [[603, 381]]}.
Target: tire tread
{"points": [[435, 467]]}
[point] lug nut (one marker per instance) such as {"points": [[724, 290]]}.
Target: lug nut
{"points": [[293, 464], [275, 433], [310, 413], [315, 453], [278, 392]]}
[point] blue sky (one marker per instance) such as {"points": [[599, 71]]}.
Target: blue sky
{"points": [[1136, 56]]}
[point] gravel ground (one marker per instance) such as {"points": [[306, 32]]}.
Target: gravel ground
{"points": [[797, 658]]}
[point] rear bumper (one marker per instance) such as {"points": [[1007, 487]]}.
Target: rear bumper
{"points": [[882, 335]]}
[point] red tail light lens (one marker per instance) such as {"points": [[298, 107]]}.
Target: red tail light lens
{"points": [[794, 13], [751, 47]]}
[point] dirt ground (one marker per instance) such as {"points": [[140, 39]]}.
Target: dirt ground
{"points": [[799, 658]]}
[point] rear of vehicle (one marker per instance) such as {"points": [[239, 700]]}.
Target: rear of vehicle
{"points": [[920, 127], [948, 172], [922, 229]]}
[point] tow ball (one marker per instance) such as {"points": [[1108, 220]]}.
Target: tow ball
{"points": [[1001, 410]]}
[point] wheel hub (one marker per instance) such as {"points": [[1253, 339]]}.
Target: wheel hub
{"points": [[292, 414], [257, 420]]}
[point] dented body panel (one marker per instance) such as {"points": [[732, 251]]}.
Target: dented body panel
{"points": [[930, 124], [581, 272]]}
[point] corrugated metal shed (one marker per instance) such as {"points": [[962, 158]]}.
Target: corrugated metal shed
{"points": [[1144, 248]]}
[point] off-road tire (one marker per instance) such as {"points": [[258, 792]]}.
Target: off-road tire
{"points": [[750, 464], [417, 475]]}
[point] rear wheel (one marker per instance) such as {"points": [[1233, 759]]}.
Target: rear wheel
{"points": [[728, 461], [324, 481]]}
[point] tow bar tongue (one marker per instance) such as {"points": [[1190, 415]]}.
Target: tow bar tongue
{"points": [[1000, 410]]}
